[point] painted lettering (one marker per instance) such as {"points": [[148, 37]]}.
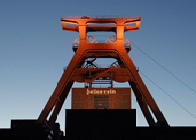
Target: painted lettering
{"points": [[96, 91]]}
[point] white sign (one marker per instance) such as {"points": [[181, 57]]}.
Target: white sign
{"points": [[96, 91]]}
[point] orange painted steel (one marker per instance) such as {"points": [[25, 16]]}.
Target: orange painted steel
{"points": [[125, 72]]}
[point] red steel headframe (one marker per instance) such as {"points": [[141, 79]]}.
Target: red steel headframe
{"points": [[126, 72]]}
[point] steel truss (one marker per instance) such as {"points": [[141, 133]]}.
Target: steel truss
{"points": [[125, 71]]}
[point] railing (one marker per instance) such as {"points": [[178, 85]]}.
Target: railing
{"points": [[101, 66], [97, 41], [105, 41], [98, 66], [100, 17], [126, 45], [102, 41]]}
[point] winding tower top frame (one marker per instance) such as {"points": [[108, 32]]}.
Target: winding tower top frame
{"points": [[85, 24], [82, 24]]}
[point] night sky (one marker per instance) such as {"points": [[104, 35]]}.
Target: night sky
{"points": [[34, 51]]}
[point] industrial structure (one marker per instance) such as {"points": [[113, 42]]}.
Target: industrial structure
{"points": [[82, 69], [95, 110]]}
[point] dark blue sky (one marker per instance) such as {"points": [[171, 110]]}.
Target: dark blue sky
{"points": [[34, 50]]}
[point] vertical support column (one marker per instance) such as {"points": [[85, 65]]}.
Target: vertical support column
{"points": [[82, 32], [120, 31]]}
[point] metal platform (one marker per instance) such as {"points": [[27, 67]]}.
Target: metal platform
{"points": [[99, 16]]}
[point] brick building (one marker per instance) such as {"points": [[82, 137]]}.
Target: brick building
{"points": [[101, 98]]}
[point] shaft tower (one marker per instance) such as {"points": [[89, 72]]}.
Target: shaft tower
{"points": [[81, 69]]}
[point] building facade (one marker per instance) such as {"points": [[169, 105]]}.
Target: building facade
{"points": [[101, 98]]}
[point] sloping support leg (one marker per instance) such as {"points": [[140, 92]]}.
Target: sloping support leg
{"points": [[142, 91], [161, 121], [60, 93], [59, 104], [143, 105]]}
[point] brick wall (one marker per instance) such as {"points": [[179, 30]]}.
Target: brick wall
{"points": [[93, 98]]}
